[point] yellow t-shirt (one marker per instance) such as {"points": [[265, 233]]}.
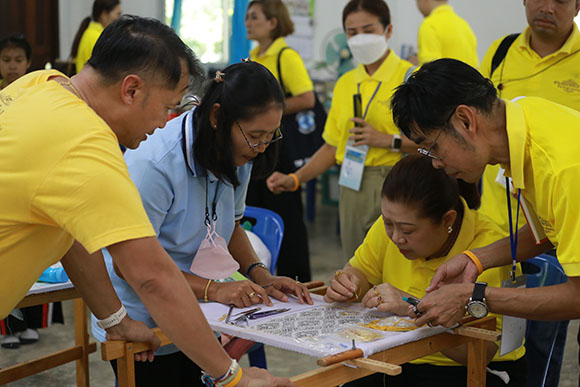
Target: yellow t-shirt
{"points": [[390, 74], [381, 262], [545, 164], [294, 74], [443, 34], [559, 81], [88, 40], [62, 177]]}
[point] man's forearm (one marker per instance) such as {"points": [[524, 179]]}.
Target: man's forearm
{"points": [[170, 301], [558, 302], [89, 275], [499, 253]]}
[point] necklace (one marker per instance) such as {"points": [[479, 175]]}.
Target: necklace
{"points": [[72, 87]]}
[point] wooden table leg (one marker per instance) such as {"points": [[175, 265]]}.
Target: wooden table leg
{"points": [[82, 339], [476, 363], [126, 367]]}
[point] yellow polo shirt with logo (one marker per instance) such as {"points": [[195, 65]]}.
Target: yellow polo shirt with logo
{"points": [[389, 75], [379, 259], [86, 44], [559, 81], [545, 165], [62, 178], [443, 34], [294, 74]]}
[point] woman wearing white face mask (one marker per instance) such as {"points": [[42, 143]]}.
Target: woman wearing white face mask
{"points": [[370, 139]]}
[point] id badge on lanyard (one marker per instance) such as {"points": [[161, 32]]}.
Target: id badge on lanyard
{"points": [[513, 329], [353, 164]]}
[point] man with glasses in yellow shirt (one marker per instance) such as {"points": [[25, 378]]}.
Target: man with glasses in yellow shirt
{"points": [[531, 139], [66, 191], [542, 61]]}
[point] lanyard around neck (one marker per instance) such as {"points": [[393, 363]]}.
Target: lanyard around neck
{"points": [[370, 100], [513, 232], [213, 204]]}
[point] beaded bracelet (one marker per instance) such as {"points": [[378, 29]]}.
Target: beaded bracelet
{"points": [[253, 266]]}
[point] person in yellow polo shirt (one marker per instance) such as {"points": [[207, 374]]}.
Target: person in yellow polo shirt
{"points": [[66, 191], [443, 34], [454, 113], [542, 61], [104, 13], [268, 22], [368, 28], [427, 218]]}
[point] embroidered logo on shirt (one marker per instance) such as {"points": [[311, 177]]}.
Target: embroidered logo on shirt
{"points": [[569, 86]]}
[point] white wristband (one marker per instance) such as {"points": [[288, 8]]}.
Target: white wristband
{"points": [[114, 319]]}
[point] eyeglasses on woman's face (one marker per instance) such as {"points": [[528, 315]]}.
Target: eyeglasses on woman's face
{"points": [[271, 137]]}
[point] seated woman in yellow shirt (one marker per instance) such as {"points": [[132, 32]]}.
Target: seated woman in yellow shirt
{"points": [[427, 218]]}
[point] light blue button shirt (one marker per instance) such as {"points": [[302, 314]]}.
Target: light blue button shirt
{"points": [[172, 185]]}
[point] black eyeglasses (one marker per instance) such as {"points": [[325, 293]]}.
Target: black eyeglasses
{"points": [[429, 152], [274, 136]]}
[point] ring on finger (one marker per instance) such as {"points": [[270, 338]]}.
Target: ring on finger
{"points": [[252, 294], [338, 273], [376, 292], [430, 324], [379, 300], [416, 311]]}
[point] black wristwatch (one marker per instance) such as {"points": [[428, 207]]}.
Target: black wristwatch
{"points": [[397, 143], [476, 306]]}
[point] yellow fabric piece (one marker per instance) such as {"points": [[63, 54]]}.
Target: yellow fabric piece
{"points": [[295, 76], [546, 166], [380, 261], [338, 124], [443, 34], [559, 83], [88, 40], [62, 177]]}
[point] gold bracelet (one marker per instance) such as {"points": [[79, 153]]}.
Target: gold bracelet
{"points": [[475, 260], [296, 182], [205, 291]]}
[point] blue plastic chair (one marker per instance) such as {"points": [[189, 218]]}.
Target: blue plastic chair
{"points": [[269, 227], [541, 336]]}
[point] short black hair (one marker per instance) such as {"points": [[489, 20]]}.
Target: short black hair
{"points": [[143, 46], [375, 7], [430, 96], [247, 89], [16, 41], [414, 181]]}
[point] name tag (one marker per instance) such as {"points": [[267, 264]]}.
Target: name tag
{"points": [[513, 329], [353, 164]]}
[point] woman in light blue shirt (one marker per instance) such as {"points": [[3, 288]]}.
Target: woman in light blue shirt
{"points": [[193, 172]]}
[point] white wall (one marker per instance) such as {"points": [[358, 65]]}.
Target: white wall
{"points": [[72, 12], [489, 19]]}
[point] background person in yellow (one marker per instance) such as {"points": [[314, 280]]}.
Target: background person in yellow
{"points": [[67, 192], [427, 218], [542, 61], [368, 27], [268, 22], [104, 13], [450, 108], [443, 34]]}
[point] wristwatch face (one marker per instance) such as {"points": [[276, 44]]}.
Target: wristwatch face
{"points": [[477, 309]]}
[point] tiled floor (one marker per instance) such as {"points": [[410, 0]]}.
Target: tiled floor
{"points": [[326, 258]]}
